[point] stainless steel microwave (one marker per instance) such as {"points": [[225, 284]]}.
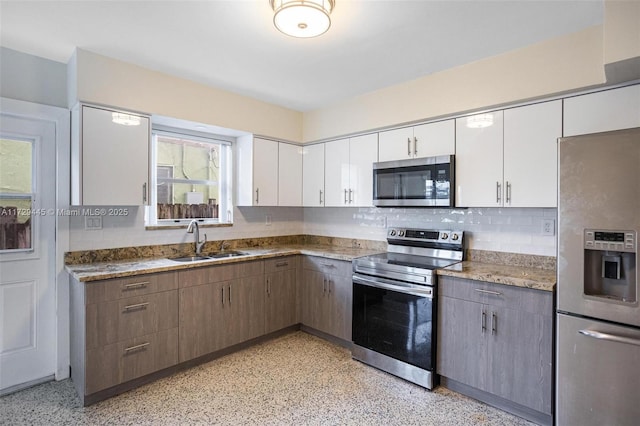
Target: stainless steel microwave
{"points": [[419, 182]]}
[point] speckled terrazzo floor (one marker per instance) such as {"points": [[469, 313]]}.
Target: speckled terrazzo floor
{"points": [[295, 379]]}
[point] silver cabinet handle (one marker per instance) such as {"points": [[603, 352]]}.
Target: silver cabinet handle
{"points": [[257, 195], [415, 145], [498, 185], [222, 297], [136, 347], [134, 286], [345, 195], [494, 323], [136, 306], [610, 337], [329, 282], [493, 293], [409, 147], [144, 193], [321, 197], [508, 193], [229, 295], [268, 290], [324, 285], [350, 194], [328, 265], [281, 264], [483, 322]]}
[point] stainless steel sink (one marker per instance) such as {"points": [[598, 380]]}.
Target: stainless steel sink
{"points": [[190, 258], [228, 253]]}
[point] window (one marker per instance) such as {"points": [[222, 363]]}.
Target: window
{"points": [[16, 194], [191, 177]]}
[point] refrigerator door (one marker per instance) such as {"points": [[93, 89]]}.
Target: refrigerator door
{"points": [[598, 373], [599, 188]]}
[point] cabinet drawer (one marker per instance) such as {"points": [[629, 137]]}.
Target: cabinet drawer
{"points": [[214, 274], [280, 264], [139, 285], [117, 320], [330, 266], [500, 295], [117, 363]]}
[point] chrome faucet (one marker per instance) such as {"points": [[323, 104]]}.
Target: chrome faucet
{"points": [[198, 244]]}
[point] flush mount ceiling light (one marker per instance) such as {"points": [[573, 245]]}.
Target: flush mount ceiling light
{"points": [[125, 119], [302, 18], [479, 121]]}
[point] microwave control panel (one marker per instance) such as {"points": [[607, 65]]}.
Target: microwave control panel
{"points": [[598, 239]]}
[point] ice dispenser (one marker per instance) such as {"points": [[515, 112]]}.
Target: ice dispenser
{"points": [[610, 265]]}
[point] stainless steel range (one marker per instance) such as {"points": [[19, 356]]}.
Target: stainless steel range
{"points": [[394, 302]]}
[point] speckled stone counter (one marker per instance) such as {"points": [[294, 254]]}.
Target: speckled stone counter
{"points": [[86, 272], [519, 276]]}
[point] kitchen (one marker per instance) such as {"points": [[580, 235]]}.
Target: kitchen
{"points": [[101, 80]]}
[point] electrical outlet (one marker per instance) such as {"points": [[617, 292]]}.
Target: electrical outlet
{"points": [[267, 220], [548, 227]]}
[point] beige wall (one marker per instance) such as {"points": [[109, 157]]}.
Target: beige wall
{"points": [[559, 65], [102, 80], [621, 30]]}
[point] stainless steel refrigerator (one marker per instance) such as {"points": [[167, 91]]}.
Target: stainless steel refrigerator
{"points": [[598, 314]]}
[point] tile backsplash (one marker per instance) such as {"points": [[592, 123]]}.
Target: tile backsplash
{"points": [[515, 230]]}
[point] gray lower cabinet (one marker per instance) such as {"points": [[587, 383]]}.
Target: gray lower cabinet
{"points": [[327, 296], [122, 329], [498, 339], [281, 293], [220, 306]]}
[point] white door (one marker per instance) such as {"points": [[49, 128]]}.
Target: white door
{"points": [[433, 139], [336, 173], [265, 172], [313, 175], [27, 251], [289, 175], [363, 152], [396, 144]]}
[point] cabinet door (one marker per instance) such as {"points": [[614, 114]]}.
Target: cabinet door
{"points": [[340, 305], [614, 109], [531, 154], [336, 172], [363, 152], [244, 309], [520, 352], [280, 303], [265, 172], [313, 175], [202, 328], [479, 161], [315, 308], [433, 139], [396, 144], [462, 346], [115, 160], [289, 175]]}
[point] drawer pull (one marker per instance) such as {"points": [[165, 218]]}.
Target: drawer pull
{"points": [[328, 265], [136, 347], [136, 306], [279, 264], [493, 293], [134, 286]]}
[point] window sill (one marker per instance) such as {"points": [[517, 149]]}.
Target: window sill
{"points": [[185, 225]]}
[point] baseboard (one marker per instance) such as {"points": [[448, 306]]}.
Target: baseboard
{"points": [[328, 337], [29, 384]]}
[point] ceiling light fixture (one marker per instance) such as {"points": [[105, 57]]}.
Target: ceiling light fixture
{"points": [[125, 119], [479, 121], [302, 18]]}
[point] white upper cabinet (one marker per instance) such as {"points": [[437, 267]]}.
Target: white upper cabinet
{"points": [[509, 158], [531, 153], [349, 171], [109, 161], [313, 175], [479, 160], [614, 109], [289, 175], [425, 140], [257, 172]]}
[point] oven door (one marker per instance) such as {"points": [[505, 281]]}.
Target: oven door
{"points": [[395, 319]]}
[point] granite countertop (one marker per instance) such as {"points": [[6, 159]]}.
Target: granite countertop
{"points": [[519, 276], [117, 269]]}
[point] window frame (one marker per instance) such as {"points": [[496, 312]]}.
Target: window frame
{"points": [[224, 182]]}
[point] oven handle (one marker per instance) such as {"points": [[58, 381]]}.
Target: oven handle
{"points": [[394, 286]]}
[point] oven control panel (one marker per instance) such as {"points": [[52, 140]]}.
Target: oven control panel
{"points": [[426, 235]]}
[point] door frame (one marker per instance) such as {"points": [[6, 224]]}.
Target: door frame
{"points": [[61, 119]]}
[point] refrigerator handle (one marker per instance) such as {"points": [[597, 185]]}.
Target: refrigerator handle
{"points": [[610, 337]]}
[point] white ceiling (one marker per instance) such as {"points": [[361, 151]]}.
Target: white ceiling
{"points": [[233, 44]]}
